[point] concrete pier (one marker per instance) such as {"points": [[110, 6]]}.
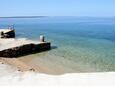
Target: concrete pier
{"points": [[7, 33], [12, 47], [19, 47]]}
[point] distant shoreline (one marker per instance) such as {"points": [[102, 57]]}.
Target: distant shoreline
{"points": [[25, 17], [83, 17]]}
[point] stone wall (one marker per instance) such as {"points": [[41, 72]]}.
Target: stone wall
{"points": [[25, 50]]}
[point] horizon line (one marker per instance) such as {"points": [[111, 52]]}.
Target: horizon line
{"points": [[54, 16]]}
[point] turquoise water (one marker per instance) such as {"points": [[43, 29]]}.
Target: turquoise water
{"points": [[78, 44]]}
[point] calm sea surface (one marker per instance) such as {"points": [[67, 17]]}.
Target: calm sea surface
{"points": [[78, 44]]}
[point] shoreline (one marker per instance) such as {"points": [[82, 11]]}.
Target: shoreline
{"points": [[19, 65], [25, 67], [28, 78]]}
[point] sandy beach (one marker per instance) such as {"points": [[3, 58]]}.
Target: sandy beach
{"points": [[11, 77], [21, 66], [13, 72]]}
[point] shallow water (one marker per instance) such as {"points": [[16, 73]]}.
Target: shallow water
{"points": [[78, 44]]}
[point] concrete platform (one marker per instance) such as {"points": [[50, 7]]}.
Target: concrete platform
{"points": [[4, 30], [19, 47]]}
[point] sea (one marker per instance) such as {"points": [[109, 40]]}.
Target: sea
{"points": [[79, 44]]}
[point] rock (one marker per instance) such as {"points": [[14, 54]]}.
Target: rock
{"points": [[32, 69]]}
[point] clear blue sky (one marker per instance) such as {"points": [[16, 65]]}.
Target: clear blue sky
{"points": [[57, 8]]}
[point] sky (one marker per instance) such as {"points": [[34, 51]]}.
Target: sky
{"points": [[97, 8]]}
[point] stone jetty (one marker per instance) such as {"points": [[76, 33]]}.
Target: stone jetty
{"points": [[11, 47], [7, 33]]}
